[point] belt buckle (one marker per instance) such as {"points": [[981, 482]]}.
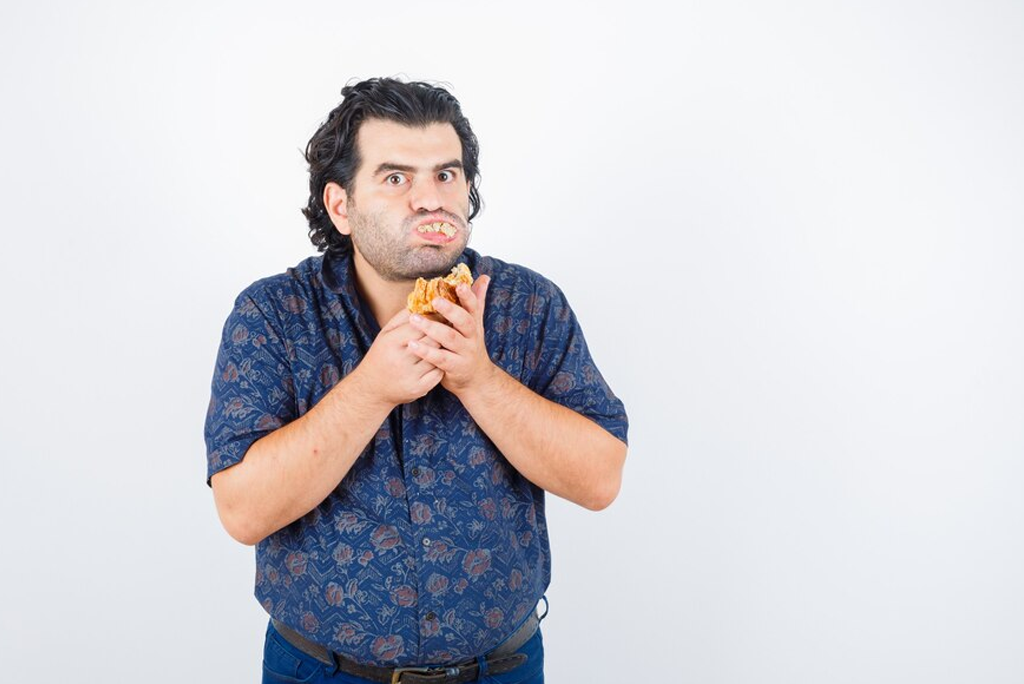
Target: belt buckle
{"points": [[426, 672], [396, 674]]}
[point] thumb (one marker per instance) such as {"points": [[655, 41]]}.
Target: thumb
{"points": [[480, 287], [480, 290], [398, 319]]}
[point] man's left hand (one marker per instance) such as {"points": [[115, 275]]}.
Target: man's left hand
{"points": [[463, 354]]}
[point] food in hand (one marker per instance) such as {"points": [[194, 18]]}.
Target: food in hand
{"points": [[422, 296]]}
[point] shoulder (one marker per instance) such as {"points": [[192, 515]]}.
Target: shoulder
{"points": [[286, 293], [515, 282]]}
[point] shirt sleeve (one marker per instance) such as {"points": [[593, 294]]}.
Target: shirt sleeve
{"points": [[563, 370], [252, 392]]}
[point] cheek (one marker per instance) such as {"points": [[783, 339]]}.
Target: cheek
{"points": [[458, 198]]}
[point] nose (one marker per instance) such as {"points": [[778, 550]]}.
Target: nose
{"points": [[425, 195]]}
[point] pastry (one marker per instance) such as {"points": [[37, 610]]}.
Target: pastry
{"points": [[443, 286]]}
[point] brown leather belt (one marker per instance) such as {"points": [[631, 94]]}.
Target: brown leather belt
{"points": [[502, 659]]}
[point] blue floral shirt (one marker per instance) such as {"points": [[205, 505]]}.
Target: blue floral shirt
{"points": [[432, 548]]}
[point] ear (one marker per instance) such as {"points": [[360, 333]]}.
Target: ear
{"points": [[336, 202]]}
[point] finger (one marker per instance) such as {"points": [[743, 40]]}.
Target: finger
{"points": [[429, 341], [422, 364], [431, 378], [441, 358], [425, 341], [448, 337], [459, 317], [406, 333], [467, 296], [479, 292]]}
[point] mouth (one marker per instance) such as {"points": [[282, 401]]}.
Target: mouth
{"points": [[437, 228], [438, 231]]}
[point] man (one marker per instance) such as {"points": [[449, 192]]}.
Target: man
{"points": [[391, 468]]}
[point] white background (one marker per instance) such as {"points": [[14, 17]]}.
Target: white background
{"points": [[792, 232]]}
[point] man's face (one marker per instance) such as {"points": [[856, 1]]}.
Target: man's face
{"points": [[408, 210]]}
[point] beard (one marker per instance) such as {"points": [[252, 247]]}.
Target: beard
{"points": [[386, 249]]}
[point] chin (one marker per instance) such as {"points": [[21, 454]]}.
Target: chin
{"points": [[441, 260]]}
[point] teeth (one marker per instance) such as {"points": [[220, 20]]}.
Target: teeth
{"points": [[437, 227]]}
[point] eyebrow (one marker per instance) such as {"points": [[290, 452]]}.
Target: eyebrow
{"points": [[391, 166]]}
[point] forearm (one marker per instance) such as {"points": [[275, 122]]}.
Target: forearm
{"points": [[293, 469], [554, 447]]}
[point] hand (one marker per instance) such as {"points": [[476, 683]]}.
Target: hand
{"points": [[459, 350], [391, 371]]}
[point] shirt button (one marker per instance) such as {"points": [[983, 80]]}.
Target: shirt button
{"points": [[431, 615], [415, 472], [426, 541]]}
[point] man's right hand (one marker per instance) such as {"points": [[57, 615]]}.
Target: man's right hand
{"points": [[390, 372], [287, 473]]}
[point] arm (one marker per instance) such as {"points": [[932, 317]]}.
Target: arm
{"points": [[287, 473], [554, 447], [290, 471]]}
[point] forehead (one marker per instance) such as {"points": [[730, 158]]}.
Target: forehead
{"points": [[382, 141]]}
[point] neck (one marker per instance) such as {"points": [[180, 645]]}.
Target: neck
{"points": [[384, 297]]}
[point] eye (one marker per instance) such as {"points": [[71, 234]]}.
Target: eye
{"points": [[446, 176], [395, 179]]}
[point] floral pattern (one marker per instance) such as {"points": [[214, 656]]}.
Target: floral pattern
{"points": [[432, 548]]}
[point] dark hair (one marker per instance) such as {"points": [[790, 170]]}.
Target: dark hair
{"points": [[333, 156]]}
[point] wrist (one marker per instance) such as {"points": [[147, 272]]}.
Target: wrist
{"points": [[487, 386], [362, 390]]}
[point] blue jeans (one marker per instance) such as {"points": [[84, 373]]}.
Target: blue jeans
{"points": [[285, 664]]}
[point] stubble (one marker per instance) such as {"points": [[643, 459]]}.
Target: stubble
{"points": [[386, 248]]}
